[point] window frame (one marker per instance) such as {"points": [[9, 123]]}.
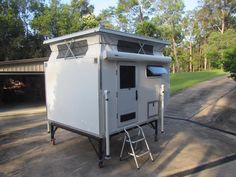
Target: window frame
{"points": [[135, 47], [77, 45], [155, 76], [122, 83]]}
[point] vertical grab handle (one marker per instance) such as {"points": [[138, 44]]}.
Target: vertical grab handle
{"points": [[107, 133], [162, 92], [136, 95]]}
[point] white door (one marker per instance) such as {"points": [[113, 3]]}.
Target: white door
{"points": [[127, 97]]}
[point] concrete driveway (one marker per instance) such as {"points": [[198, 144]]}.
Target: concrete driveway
{"points": [[211, 103], [25, 148]]}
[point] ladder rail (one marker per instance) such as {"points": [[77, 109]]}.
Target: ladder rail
{"points": [[128, 139]]}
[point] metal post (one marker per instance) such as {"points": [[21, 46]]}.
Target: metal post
{"points": [[100, 153], [162, 92], [106, 95], [156, 130]]}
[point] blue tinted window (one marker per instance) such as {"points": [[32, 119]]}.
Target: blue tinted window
{"points": [[156, 71]]}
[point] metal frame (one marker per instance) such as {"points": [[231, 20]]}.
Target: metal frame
{"points": [[140, 137], [100, 150]]}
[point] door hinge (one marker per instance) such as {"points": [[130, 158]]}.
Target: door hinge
{"points": [[117, 115], [116, 72], [116, 94]]}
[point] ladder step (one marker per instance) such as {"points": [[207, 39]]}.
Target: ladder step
{"points": [[135, 141], [139, 155]]}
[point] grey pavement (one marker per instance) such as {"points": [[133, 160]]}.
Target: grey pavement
{"points": [[211, 102], [225, 170], [23, 109], [25, 148], [191, 101]]}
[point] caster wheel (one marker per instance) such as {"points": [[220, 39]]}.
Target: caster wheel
{"points": [[155, 139], [53, 141], [100, 164]]}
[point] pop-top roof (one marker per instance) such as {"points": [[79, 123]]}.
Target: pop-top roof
{"points": [[103, 30]]}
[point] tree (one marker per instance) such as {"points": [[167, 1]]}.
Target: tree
{"points": [[129, 13], [214, 15], [169, 16], [59, 19], [229, 62], [11, 31], [107, 18], [147, 28], [218, 13], [219, 45]]}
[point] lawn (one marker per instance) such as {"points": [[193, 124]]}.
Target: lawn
{"points": [[181, 81]]}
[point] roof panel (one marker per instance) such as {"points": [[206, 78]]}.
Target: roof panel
{"points": [[103, 30]]}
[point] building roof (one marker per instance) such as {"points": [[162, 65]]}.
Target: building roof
{"points": [[23, 61], [103, 30]]}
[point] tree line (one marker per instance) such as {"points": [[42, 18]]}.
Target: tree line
{"points": [[200, 39]]}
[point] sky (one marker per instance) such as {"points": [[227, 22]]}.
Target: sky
{"points": [[103, 4]]}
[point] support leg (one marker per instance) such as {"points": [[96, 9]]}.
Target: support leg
{"points": [[48, 127], [52, 131], [156, 130], [100, 153]]}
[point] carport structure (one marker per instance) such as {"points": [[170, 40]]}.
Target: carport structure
{"points": [[22, 80]]}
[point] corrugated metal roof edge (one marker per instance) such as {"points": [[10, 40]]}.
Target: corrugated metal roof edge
{"points": [[104, 30], [22, 61]]}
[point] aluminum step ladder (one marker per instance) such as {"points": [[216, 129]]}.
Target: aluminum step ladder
{"points": [[133, 142]]}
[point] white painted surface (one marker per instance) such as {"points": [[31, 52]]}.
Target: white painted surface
{"points": [[74, 87], [153, 109], [72, 93], [109, 82]]}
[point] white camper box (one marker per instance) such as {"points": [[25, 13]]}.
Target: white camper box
{"points": [[99, 81]]}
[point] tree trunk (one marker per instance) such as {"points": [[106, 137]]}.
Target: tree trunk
{"points": [[205, 62], [205, 54], [224, 13], [223, 26], [173, 68], [175, 54], [190, 57], [141, 14]]}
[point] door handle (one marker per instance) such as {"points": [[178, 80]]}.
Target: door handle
{"points": [[136, 94]]}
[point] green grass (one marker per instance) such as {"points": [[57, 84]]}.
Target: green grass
{"points": [[181, 81]]}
